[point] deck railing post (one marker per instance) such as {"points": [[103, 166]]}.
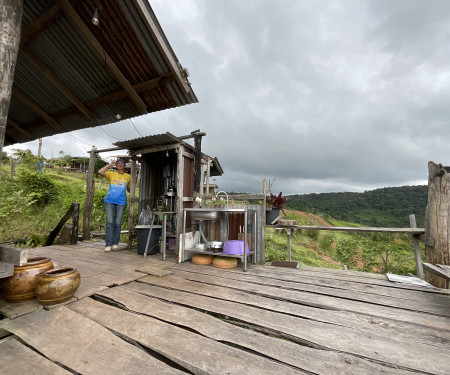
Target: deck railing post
{"points": [[416, 246], [437, 217]]}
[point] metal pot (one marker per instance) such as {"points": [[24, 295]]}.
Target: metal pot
{"points": [[215, 245]]}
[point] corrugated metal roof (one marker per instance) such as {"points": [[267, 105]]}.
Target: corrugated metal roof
{"points": [[164, 140], [64, 47], [148, 141]]}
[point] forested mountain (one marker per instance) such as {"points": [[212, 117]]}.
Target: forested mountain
{"points": [[386, 207]]}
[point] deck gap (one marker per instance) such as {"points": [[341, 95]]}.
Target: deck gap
{"points": [[72, 371], [151, 352], [114, 303]]}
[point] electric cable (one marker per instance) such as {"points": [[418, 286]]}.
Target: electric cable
{"points": [[104, 131], [135, 127]]}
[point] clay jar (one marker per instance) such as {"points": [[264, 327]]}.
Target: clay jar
{"points": [[57, 286], [22, 284]]}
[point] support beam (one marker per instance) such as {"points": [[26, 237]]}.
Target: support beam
{"points": [[144, 86], [40, 65], [35, 108], [160, 41], [40, 24], [131, 202], [100, 52], [16, 126], [90, 189], [10, 26], [197, 163]]}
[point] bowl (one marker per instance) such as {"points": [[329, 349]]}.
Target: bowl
{"points": [[234, 247]]}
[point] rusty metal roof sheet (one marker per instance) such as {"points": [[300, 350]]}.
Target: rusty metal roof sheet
{"points": [[148, 141], [165, 140], [71, 74]]}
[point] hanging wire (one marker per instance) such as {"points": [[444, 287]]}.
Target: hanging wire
{"points": [[78, 139], [135, 127], [104, 131]]}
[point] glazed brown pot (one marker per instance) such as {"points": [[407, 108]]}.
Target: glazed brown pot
{"points": [[202, 259], [21, 285], [57, 286]]}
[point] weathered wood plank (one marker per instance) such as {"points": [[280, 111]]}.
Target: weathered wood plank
{"points": [[435, 304], [13, 255], [82, 345], [293, 354], [6, 270], [329, 298], [194, 352], [364, 229], [279, 277], [439, 271], [372, 345], [18, 359], [351, 276], [13, 310], [301, 300]]}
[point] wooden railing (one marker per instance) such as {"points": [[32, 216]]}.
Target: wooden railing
{"points": [[418, 235]]}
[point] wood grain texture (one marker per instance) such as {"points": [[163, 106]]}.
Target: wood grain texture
{"points": [[18, 359], [82, 345], [196, 353], [371, 343], [284, 351]]}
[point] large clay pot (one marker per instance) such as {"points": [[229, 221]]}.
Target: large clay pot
{"points": [[57, 286], [22, 284]]}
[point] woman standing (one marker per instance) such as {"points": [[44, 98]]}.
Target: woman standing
{"points": [[115, 201]]}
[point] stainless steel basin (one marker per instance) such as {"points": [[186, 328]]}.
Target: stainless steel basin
{"points": [[205, 215]]}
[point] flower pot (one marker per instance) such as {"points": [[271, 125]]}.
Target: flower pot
{"points": [[224, 262], [272, 215], [21, 285], [57, 286]]}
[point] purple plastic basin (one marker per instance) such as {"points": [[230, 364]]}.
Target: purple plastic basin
{"points": [[234, 247]]}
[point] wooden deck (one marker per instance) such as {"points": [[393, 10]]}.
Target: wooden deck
{"points": [[135, 315]]}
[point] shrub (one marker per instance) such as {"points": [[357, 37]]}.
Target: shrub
{"points": [[38, 186]]}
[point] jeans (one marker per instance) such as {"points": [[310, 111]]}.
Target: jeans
{"points": [[114, 213]]}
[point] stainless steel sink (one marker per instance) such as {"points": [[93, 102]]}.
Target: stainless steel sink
{"points": [[205, 215]]}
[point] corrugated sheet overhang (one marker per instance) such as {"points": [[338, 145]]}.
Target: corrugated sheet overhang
{"points": [[71, 74]]}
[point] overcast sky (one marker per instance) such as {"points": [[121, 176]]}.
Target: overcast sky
{"points": [[322, 95]]}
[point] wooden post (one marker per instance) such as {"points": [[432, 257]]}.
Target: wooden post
{"points": [[131, 202], [75, 220], [10, 29], [179, 197], [89, 196], [39, 149], [208, 174], [263, 226], [197, 163], [416, 246], [437, 220], [288, 233]]}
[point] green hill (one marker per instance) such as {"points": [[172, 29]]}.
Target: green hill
{"points": [[386, 207]]}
